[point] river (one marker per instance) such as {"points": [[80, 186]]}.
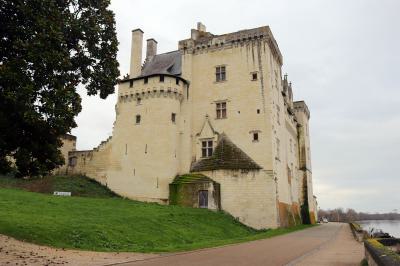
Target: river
{"points": [[391, 227]]}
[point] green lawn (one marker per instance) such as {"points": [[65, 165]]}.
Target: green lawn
{"points": [[78, 185], [116, 224]]}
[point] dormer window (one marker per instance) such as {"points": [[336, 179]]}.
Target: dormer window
{"points": [[206, 148]]}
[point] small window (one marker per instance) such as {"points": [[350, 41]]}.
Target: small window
{"points": [[162, 78], [206, 148], [220, 73], [131, 83], [258, 111], [138, 101], [146, 80], [138, 119], [173, 117], [177, 81], [221, 110], [254, 76], [255, 136], [203, 198]]}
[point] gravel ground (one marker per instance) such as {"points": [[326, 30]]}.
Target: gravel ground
{"points": [[14, 252]]}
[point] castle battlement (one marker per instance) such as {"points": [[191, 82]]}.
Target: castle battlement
{"points": [[151, 86], [202, 41]]}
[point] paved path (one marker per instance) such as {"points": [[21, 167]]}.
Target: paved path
{"points": [[342, 250], [328, 244]]}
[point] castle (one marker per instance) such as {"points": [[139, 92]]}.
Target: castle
{"points": [[210, 125]]}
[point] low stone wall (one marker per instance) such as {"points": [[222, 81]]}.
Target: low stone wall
{"points": [[358, 233], [378, 252]]}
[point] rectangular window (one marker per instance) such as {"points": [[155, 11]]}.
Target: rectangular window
{"points": [[146, 80], [131, 83], [254, 76], [162, 78], [138, 119], [220, 73], [138, 101], [203, 198], [173, 117], [255, 136], [206, 148], [177, 81], [221, 110]]}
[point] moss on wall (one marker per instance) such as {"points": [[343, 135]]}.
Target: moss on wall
{"points": [[305, 213], [381, 254], [312, 217], [184, 190], [289, 215]]}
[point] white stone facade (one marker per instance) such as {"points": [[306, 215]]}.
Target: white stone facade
{"points": [[213, 84]]}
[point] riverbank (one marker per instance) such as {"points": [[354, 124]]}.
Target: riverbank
{"points": [[391, 227], [381, 248]]}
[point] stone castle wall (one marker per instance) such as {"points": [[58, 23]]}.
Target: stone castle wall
{"points": [[249, 196], [142, 158]]}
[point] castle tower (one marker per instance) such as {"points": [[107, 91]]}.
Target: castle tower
{"points": [[146, 131], [306, 190]]}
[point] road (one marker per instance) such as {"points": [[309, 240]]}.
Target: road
{"points": [[328, 244]]}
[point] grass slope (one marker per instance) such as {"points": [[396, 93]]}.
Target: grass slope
{"points": [[78, 185], [116, 224]]}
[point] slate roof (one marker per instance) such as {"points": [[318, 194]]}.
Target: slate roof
{"points": [[167, 63], [226, 155]]}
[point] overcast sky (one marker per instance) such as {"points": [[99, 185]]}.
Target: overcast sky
{"points": [[344, 61]]}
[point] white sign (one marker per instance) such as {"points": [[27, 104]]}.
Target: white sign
{"points": [[61, 193]]}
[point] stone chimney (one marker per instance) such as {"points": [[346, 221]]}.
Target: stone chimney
{"points": [[201, 27], [151, 49], [199, 32], [136, 53]]}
